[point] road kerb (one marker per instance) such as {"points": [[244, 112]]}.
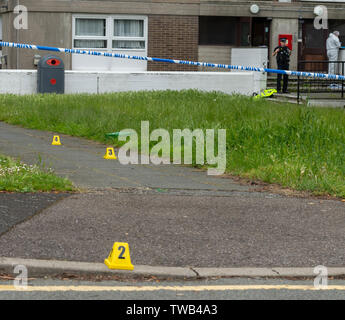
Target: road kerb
{"points": [[42, 268]]}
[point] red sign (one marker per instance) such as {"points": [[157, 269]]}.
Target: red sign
{"points": [[288, 38]]}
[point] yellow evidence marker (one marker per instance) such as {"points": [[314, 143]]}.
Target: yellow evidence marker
{"points": [[56, 141], [110, 154], [119, 257]]}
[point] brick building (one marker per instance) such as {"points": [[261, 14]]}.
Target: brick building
{"points": [[203, 30]]}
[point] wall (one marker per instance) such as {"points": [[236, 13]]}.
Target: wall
{"points": [[53, 18], [49, 29], [253, 57], [25, 81], [167, 38], [342, 54], [284, 26], [214, 54], [274, 9], [173, 37]]}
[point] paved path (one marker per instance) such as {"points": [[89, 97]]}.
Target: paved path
{"points": [[169, 215], [82, 161]]}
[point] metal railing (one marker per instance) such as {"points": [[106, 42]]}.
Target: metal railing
{"points": [[321, 88]]}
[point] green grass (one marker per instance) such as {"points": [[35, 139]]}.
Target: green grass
{"points": [[18, 177], [297, 147]]}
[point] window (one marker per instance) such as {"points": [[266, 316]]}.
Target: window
{"points": [[125, 34], [110, 32], [90, 33], [128, 34], [228, 31], [217, 30]]}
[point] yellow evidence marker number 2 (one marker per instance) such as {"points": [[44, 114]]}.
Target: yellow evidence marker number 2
{"points": [[119, 257]]}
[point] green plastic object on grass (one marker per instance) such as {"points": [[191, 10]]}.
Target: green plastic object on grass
{"points": [[117, 134]]}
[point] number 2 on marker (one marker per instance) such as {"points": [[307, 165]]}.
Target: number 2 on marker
{"points": [[123, 249]]}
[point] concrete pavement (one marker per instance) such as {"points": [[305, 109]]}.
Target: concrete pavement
{"points": [[82, 162]]}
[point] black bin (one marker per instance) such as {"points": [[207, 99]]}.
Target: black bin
{"points": [[51, 75]]}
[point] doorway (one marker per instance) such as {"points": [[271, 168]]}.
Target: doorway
{"points": [[260, 32], [313, 45]]}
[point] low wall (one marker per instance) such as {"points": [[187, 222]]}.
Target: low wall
{"points": [[342, 54], [25, 81]]}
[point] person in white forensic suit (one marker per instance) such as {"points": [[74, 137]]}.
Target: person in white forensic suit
{"points": [[333, 44]]}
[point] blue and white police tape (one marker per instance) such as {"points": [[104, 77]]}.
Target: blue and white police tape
{"points": [[191, 63]]}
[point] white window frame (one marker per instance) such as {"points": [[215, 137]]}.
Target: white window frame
{"points": [[143, 38], [96, 17], [109, 31]]}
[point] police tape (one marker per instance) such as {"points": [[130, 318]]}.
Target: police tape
{"points": [[184, 62]]}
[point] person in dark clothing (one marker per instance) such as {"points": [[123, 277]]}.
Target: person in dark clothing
{"points": [[282, 53]]}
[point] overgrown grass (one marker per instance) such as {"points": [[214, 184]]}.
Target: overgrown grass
{"points": [[297, 147], [19, 177]]}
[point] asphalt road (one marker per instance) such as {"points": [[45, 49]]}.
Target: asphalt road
{"points": [[255, 230], [222, 289], [18, 207]]}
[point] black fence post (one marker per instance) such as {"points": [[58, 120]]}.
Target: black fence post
{"points": [[342, 80], [298, 89], [298, 69]]}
